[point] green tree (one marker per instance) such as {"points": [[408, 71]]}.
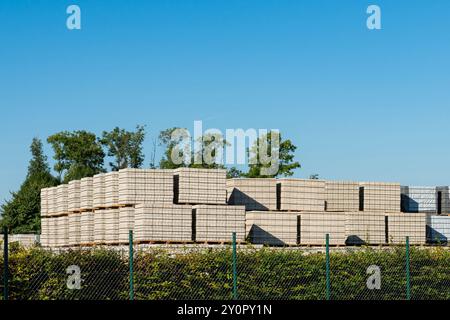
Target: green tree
{"points": [[125, 147], [234, 172], [21, 213], [169, 143], [286, 150], [78, 154]]}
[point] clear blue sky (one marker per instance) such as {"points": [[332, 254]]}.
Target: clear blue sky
{"points": [[360, 104]]}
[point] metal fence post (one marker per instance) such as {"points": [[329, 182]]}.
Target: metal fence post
{"points": [[5, 264], [130, 259], [235, 293], [327, 255], [408, 274]]}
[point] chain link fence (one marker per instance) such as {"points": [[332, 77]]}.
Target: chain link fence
{"points": [[225, 272]]}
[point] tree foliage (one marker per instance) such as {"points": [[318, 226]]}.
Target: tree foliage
{"points": [[21, 214], [125, 147], [78, 154]]}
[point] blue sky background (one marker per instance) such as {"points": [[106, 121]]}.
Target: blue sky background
{"points": [[360, 104]]}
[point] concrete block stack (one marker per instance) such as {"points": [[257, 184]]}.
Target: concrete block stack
{"points": [[126, 223], [200, 186], [257, 194], [45, 231], [162, 222], [401, 225], [315, 225], [111, 189], [87, 227], [99, 226], [74, 231], [419, 199], [341, 196], [139, 186], [302, 195], [62, 199], [380, 196], [365, 228], [62, 231], [272, 227], [217, 223], [444, 195], [44, 202], [438, 229], [98, 191], [73, 196], [86, 194], [111, 226]]}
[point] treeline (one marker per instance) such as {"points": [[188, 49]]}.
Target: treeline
{"points": [[80, 154]]}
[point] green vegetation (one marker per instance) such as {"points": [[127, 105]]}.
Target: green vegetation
{"points": [[262, 274]]}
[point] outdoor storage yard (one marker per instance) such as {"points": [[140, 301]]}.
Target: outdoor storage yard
{"points": [[201, 206]]}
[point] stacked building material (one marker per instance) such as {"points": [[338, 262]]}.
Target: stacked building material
{"points": [[365, 228], [302, 195], [341, 196], [443, 199], [51, 201], [200, 186], [162, 222], [98, 191], [438, 229], [272, 227], [255, 194], [401, 225], [25, 240], [150, 185], [126, 223], [315, 225], [44, 202], [45, 231], [86, 194], [419, 199], [74, 221], [99, 226], [217, 223], [62, 231], [87, 227], [62, 199], [111, 189], [111, 226], [74, 196], [52, 232], [380, 196]]}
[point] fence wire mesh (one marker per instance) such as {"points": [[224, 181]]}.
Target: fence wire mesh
{"points": [[204, 272]]}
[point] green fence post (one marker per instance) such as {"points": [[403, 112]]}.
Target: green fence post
{"points": [[5, 265], [235, 293], [130, 259], [327, 255], [408, 275]]}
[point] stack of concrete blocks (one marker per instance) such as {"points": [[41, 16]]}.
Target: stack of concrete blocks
{"points": [[25, 240], [51, 204], [315, 225], [419, 199], [256, 194], [62, 199], [341, 196], [74, 196], [401, 225], [44, 202], [272, 227], [200, 186], [163, 222], [86, 194], [126, 223], [111, 189], [87, 228], [141, 186], [99, 226], [302, 195], [217, 223], [62, 231], [380, 196], [111, 226], [74, 222], [98, 191], [438, 229], [45, 231], [365, 228], [445, 198]]}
